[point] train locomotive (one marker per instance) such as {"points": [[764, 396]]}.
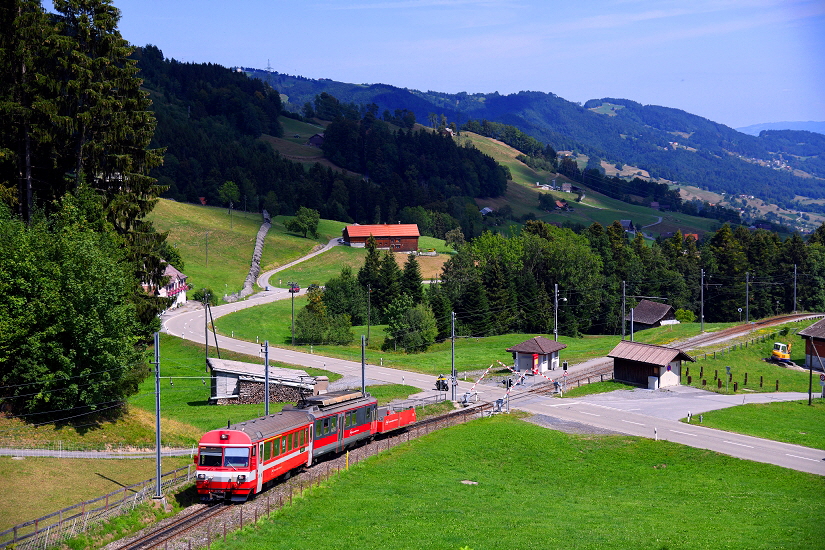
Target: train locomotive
{"points": [[239, 461]]}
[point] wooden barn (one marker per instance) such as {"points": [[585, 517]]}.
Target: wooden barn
{"points": [[814, 337], [647, 365], [652, 314], [402, 237], [536, 355]]}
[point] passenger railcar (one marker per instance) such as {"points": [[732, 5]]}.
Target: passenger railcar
{"points": [[238, 461]]}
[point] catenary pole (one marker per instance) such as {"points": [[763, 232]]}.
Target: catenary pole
{"points": [[556, 312], [157, 415], [747, 296], [623, 306], [702, 302], [794, 288], [266, 377], [452, 352]]}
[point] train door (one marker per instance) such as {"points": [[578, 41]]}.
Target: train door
{"points": [[260, 468], [341, 431]]}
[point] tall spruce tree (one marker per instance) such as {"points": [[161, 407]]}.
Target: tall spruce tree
{"points": [[411, 279]]}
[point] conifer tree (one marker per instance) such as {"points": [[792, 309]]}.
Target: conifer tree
{"points": [[411, 279]]}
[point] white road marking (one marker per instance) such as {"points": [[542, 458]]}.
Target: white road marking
{"points": [[631, 422], [740, 444], [590, 414], [802, 457], [683, 433]]}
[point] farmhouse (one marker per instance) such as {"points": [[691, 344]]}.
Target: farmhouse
{"points": [[628, 226], [317, 140], [238, 382], [652, 314], [814, 337], [647, 365], [176, 287], [536, 355], [402, 237]]}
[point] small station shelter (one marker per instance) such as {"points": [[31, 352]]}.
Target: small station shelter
{"points": [[536, 355], [238, 382], [401, 237], [814, 337], [647, 365]]}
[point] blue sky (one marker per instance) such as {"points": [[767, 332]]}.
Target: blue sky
{"points": [[738, 62]]}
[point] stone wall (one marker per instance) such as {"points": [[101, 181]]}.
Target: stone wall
{"points": [[255, 267]]}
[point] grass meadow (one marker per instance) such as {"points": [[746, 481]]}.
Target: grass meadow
{"points": [[36, 486], [230, 244], [789, 421], [537, 488]]}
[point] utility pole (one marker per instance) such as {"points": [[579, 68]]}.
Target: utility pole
{"points": [[363, 366], [623, 305], [292, 291], [157, 415], [369, 300], [631, 322], [747, 296], [266, 377], [556, 313], [452, 352], [702, 302], [207, 249]]}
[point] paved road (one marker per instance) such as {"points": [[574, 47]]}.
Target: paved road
{"points": [[263, 279]]}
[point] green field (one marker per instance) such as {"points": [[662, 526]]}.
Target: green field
{"points": [[36, 486], [229, 248], [537, 488], [789, 421]]}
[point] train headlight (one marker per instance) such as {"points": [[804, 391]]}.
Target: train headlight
{"points": [[201, 476], [241, 478]]}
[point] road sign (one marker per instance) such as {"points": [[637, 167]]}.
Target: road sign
{"points": [[822, 377], [564, 373]]}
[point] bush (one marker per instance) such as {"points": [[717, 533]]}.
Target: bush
{"points": [[685, 316]]}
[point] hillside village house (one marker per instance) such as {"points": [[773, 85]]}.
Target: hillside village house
{"points": [[536, 355], [647, 365], [176, 287], [814, 337], [402, 237]]}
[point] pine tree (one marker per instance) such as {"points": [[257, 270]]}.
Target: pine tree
{"points": [[411, 282]]}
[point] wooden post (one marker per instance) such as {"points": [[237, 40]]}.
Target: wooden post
{"points": [[689, 380], [746, 380], [716, 374], [735, 386], [704, 382], [760, 381], [777, 385], [702, 369], [719, 383]]}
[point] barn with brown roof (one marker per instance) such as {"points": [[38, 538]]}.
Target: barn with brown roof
{"points": [[536, 354], [814, 337], [402, 237], [647, 365], [652, 314]]}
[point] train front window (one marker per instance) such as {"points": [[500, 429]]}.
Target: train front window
{"points": [[210, 456], [236, 457]]}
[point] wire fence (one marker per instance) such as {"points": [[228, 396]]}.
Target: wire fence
{"points": [[71, 449], [52, 529], [750, 342]]}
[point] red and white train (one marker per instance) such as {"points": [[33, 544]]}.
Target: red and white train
{"points": [[238, 461]]}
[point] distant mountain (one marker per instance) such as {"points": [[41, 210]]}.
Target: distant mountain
{"points": [[810, 126], [669, 143]]}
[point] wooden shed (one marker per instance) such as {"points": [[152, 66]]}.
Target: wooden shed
{"points": [[536, 355], [239, 382], [814, 337], [647, 365], [652, 314], [401, 237]]}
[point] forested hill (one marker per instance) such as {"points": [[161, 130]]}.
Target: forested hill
{"points": [[210, 120], [669, 143]]}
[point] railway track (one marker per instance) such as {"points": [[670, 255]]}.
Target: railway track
{"points": [[176, 528]]}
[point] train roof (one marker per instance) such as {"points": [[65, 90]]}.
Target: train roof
{"points": [[333, 401], [274, 424]]}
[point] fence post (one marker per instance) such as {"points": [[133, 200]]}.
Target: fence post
{"points": [[760, 381], [777, 385]]}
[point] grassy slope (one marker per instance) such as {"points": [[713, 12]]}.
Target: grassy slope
{"points": [[546, 489], [36, 486], [230, 248], [595, 207]]}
